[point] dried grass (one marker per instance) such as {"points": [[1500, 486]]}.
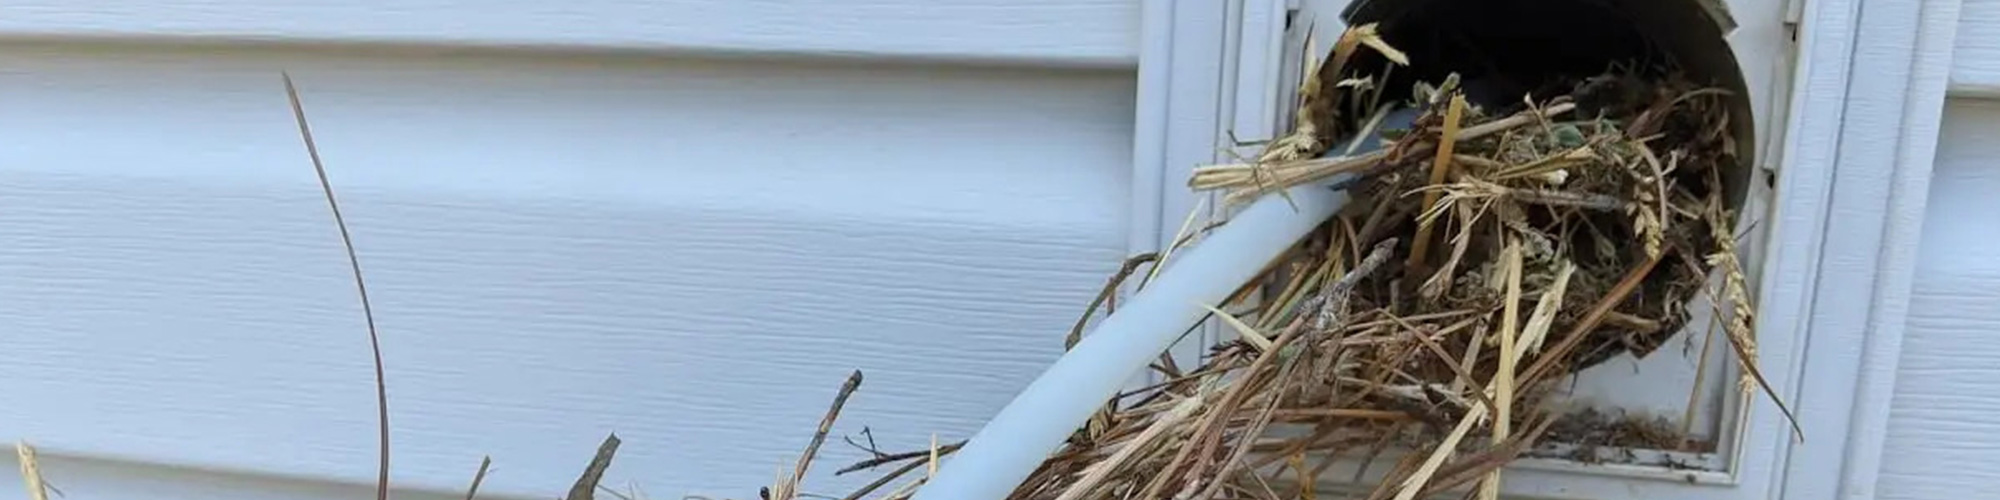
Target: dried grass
{"points": [[360, 288], [1504, 253], [31, 472]]}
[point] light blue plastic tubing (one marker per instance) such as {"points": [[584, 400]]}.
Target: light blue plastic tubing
{"points": [[1022, 435]]}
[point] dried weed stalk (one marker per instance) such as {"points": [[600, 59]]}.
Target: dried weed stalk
{"points": [[360, 288]]}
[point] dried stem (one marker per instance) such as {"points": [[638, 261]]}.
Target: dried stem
{"points": [[1101, 471], [1546, 363], [889, 458], [1503, 383], [1330, 300], [1243, 177], [1125, 270], [360, 287], [899, 472], [1741, 338], [1453, 116], [31, 471], [586, 485], [1694, 390], [473, 491], [787, 490]]}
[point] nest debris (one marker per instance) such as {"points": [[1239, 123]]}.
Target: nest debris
{"points": [[1480, 259], [1483, 257]]}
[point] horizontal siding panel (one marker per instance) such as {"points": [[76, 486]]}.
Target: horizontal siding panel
{"points": [[1976, 63], [1943, 439], [81, 478], [1062, 32], [692, 254]]}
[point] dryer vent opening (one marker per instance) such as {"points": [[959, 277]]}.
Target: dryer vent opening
{"points": [[1616, 185], [1661, 112], [1504, 50]]}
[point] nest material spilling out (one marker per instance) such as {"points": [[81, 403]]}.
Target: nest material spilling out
{"points": [[1482, 258]]}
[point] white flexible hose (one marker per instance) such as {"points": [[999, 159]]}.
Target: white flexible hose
{"points": [[1017, 439], [1022, 435]]}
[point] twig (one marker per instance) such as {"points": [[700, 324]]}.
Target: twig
{"points": [[1517, 120], [1293, 289], [1700, 374], [1234, 462], [1420, 317], [1376, 162], [932, 471], [907, 489], [1459, 373], [1375, 451], [870, 447], [1440, 280], [1631, 322], [1447, 140], [789, 489], [1156, 385], [1536, 167], [889, 458], [1404, 468], [1249, 333], [586, 484], [1180, 236], [1504, 378], [1554, 198], [1557, 354], [31, 471], [1544, 315], [1368, 129], [1242, 177], [1408, 487], [878, 483], [1213, 426], [360, 287], [1318, 168], [1098, 472], [1468, 469], [1332, 299], [472, 491], [1110, 288], [1210, 428], [1297, 462], [1297, 445], [1484, 165], [1350, 413]]}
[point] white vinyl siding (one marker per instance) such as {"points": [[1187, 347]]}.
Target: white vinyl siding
{"points": [[1097, 33], [691, 252], [1943, 438]]}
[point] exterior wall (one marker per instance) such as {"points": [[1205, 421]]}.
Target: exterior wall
{"points": [[691, 250], [124, 479], [1092, 33], [576, 220], [1943, 441], [1976, 62]]}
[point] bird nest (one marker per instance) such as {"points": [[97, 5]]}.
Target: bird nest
{"points": [[1482, 257], [1485, 254]]}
